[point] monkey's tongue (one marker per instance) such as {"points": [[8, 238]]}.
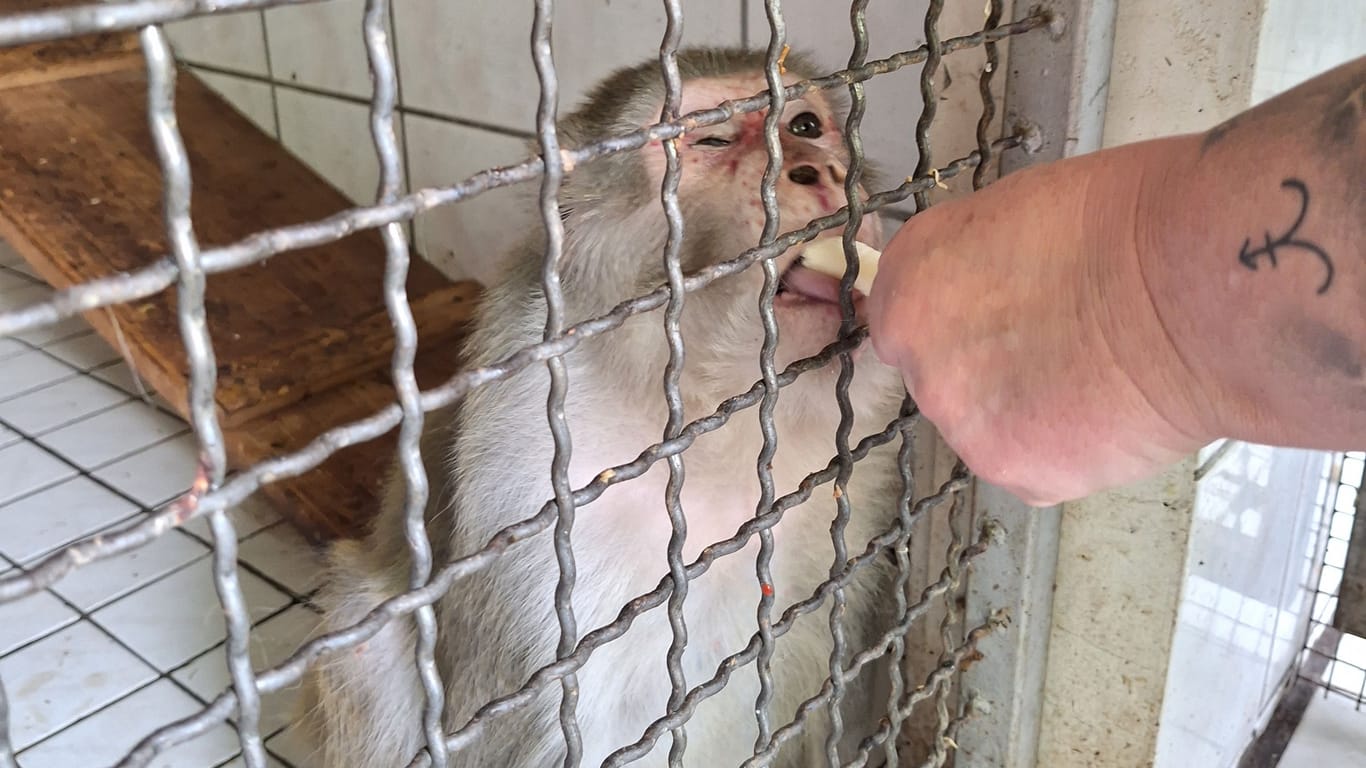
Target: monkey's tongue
{"points": [[812, 284]]}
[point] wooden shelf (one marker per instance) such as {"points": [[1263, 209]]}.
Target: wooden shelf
{"points": [[303, 341]]}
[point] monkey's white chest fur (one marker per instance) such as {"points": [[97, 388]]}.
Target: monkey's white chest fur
{"points": [[620, 543], [499, 626]]}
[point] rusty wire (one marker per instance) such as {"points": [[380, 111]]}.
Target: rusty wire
{"points": [[186, 268]]}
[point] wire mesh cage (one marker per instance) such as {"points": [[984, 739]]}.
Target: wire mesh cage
{"points": [[1334, 658], [931, 640]]}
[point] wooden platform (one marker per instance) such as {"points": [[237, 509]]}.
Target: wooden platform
{"points": [[303, 341]]}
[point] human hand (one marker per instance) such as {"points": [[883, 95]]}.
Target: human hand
{"points": [[1022, 324]]}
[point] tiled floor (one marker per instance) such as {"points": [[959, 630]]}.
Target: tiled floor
{"points": [[122, 646]]}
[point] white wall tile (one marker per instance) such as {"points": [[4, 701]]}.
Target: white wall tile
{"points": [[29, 371], [283, 554], [10, 279], [59, 404], [62, 329], [24, 468], [22, 295], [24, 268], [59, 515], [272, 641], [106, 736], [468, 239], [157, 474], [231, 41], [473, 60], [115, 433], [293, 744], [95, 584], [121, 376], [250, 97], [11, 347], [9, 256], [247, 518], [179, 617], [31, 618], [83, 352], [320, 46], [8, 436], [333, 138], [66, 676]]}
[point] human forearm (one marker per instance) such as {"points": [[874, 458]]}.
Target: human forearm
{"points": [[1252, 242]]}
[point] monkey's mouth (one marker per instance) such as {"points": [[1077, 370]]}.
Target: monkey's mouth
{"points": [[800, 286]]}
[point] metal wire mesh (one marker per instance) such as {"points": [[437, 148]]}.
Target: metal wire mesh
{"points": [[187, 268], [1332, 659]]}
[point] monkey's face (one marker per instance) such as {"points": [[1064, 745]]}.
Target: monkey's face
{"points": [[722, 167]]}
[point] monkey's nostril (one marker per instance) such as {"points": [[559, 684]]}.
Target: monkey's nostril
{"points": [[805, 175], [837, 173]]}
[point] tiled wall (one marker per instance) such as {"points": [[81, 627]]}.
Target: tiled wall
{"points": [[468, 91]]}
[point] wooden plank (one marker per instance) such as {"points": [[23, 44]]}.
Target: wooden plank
{"points": [[80, 197], [338, 498], [61, 59]]}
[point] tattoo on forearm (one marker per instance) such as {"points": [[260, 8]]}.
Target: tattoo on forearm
{"points": [[1249, 255]]}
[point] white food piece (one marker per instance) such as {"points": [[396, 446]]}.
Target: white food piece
{"points": [[827, 257]]}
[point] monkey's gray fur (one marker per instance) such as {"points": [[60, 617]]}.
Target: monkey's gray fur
{"points": [[489, 460]]}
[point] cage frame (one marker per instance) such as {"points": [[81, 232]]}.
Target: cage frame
{"points": [[1025, 565]]}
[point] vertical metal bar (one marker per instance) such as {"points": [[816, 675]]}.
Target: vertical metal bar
{"points": [[673, 99], [902, 551], [1064, 114], [385, 83], [768, 195], [194, 332], [929, 102], [854, 142], [549, 141]]}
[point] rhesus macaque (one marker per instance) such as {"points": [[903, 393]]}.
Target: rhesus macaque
{"points": [[489, 462]]}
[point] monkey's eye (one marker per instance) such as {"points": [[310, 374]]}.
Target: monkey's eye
{"points": [[712, 141], [806, 125]]}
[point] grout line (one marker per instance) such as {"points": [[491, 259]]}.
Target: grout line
{"points": [[402, 120], [340, 96], [22, 275], [143, 508], [87, 618], [270, 73], [109, 462], [79, 470], [127, 398], [83, 616]]}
